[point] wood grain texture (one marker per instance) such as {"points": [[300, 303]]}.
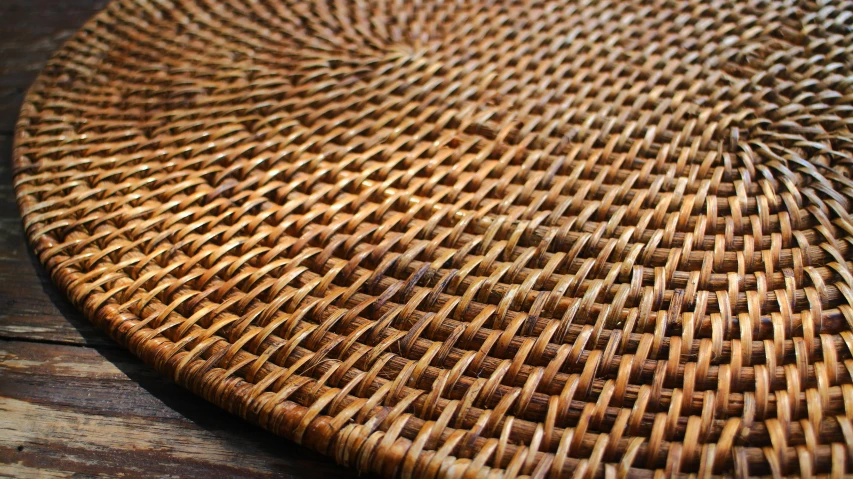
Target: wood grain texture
{"points": [[72, 402], [30, 31], [73, 409]]}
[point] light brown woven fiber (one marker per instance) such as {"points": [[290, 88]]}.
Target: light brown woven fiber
{"points": [[469, 239]]}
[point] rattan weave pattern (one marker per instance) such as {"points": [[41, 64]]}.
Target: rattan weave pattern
{"points": [[469, 239]]}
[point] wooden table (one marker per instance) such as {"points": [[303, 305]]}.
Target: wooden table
{"points": [[72, 402]]}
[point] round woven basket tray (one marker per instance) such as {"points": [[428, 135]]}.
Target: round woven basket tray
{"points": [[469, 239]]}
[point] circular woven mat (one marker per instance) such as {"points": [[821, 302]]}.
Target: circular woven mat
{"points": [[469, 239]]}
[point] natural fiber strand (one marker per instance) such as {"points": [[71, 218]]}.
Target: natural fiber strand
{"points": [[469, 239]]}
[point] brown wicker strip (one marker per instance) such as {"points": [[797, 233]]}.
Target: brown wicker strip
{"points": [[469, 239]]}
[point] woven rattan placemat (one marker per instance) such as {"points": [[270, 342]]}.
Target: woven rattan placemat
{"points": [[469, 239]]}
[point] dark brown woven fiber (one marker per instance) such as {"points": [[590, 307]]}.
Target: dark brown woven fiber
{"points": [[469, 239]]}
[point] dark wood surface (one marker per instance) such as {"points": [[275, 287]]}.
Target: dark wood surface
{"points": [[72, 402]]}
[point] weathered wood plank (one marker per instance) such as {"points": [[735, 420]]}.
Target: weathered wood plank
{"points": [[66, 440], [30, 31], [102, 382], [68, 408], [33, 309]]}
